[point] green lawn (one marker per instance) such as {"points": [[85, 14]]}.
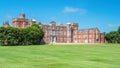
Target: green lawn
{"points": [[61, 56]]}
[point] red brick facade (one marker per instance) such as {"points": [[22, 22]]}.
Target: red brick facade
{"points": [[68, 33], [71, 34], [20, 22]]}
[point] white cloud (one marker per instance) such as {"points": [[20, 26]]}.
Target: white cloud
{"points": [[74, 10], [110, 25], [70, 9], [53, 18], [34, 19], [113, 25], [9, 17]]}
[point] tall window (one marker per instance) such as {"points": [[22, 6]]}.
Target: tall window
{"points": [[64, 32], [64, 39], [53, 27], [48, 31], [56, 32], [75, 32], [96, 34], [53, 32], [69, 32], [61, 39], [60, 31], [85, 37], [61, 28], [52, 38]]}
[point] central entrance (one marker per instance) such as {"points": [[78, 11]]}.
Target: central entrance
{"points": [[53, 39]]}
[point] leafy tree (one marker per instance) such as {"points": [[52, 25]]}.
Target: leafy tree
{"points": [[27, 36], [119, 29], [119, 34], [113, 36]]}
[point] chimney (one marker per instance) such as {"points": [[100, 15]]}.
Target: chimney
{"points": [[22, 15]]}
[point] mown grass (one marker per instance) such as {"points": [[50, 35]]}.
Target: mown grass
{"points": [[61, 56]]}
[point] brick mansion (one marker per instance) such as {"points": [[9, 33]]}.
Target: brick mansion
{"points": [[54, 33]]}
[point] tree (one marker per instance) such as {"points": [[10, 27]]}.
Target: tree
{"points": [[119, 29], [8, 36], [119, 34], [113, 36], [27, 36]]}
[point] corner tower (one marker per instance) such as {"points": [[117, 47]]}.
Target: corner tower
{"points": [[6, 24], [20, 22]]}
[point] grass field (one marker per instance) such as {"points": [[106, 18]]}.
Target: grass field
{"points": [[61, 56]]}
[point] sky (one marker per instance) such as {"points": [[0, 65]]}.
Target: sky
{"points": [[103, 14]]}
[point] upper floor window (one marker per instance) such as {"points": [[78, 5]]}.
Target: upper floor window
{"points": [[75, 27], [61, 28], [61, 31], [48, 27], [69, 32], [85, 36], [53, 32], [53, 27], [48, 31], [75, 32], [56, 28], [56, 32], [64, 32]]}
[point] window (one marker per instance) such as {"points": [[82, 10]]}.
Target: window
{"points": [[69, 32], [75, 32], [56, 32], [65, 39], [90, 41], [90, 31], [79, 40], [75, 27], [53, 32], [64, 32], [61, 28], [60, 31], [57, 28], [85, 36], [52, 38], [60, 39], [48, 31], [96, 35], [90, 36], [53, 27], [48, 27]]}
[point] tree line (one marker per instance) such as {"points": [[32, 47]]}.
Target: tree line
{"points": [[11, 36], [113, 36]]}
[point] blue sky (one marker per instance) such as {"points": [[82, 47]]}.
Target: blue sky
{"points": [[104, 14]]}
